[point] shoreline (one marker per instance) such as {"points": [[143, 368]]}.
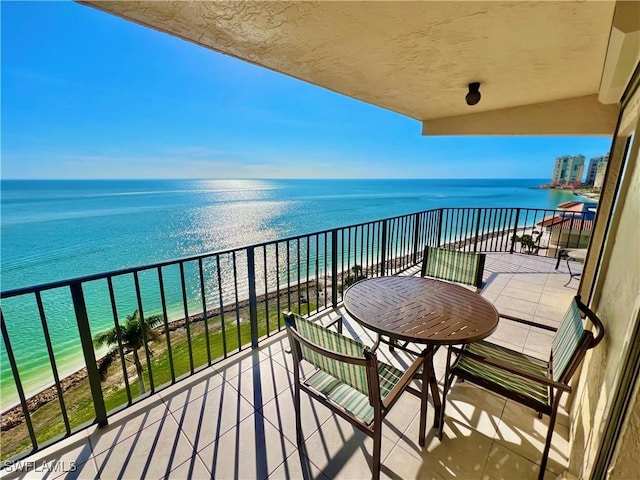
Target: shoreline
{"points": [[590, 194], [12, 415], [40, 379]]}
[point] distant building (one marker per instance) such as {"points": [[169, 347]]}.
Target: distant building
{"points": [[599, 179], [579, 209], [594, 163], [568, 171], [569, 228]]}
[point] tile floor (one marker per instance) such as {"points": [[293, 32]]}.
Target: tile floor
{"points": [[236, 420]]}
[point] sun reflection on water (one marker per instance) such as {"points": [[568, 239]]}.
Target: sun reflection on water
{"points": [[224, 226]]}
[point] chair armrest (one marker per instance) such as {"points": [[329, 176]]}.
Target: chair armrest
{"points": [[390, 399], [590, 314], [516, 371], [527, 322], [337, 321]]}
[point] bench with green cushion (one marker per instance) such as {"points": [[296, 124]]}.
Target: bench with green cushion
{"points": [[348, 378], [530, 381]]}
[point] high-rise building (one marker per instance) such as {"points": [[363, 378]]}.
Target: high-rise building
{"points": [[568, 171], [593, 168], [600, 172]]}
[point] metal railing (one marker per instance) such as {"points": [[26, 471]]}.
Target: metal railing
{"points": [[213, 305]]}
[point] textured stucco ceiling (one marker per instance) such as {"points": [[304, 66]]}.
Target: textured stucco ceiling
{"points": [[414, 58]]}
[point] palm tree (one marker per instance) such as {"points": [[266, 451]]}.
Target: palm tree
{"points": [[355, 276], [132, 335]]}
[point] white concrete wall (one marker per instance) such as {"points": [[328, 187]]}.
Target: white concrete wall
{"points": [[616, 300], [626, 464]]}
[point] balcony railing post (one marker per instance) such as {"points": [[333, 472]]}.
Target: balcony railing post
{"points": [[475, 240], [416, 237], [86, 341], [253, 304], [515, 231], [439, 233], [334, 268], [16, 379], [383, 247]]}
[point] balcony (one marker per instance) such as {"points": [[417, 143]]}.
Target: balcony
{"points": [[234, 419]]}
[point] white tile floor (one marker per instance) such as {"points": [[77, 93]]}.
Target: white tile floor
{"points": [[236, 420]]}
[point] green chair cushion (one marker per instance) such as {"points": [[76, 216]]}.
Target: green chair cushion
{"points": [[350, 399], [514, 383]]}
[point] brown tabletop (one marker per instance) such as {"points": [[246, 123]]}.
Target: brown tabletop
{"points": [[421, 310]]}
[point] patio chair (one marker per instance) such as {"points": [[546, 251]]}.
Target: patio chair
{"points": [[454, 266], [573, 254], [532, 382], [348, 379]]}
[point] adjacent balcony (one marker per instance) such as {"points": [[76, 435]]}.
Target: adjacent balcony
{"points": [[221, 403]]}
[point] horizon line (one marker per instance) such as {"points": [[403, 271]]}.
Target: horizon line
{"points": [[270, 178]]}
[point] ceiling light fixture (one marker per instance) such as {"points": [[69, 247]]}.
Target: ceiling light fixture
{"points": [[473, 96]]}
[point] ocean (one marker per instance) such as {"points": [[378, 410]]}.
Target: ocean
{"points": [[59, 229]]}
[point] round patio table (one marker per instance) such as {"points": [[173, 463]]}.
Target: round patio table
{"points": [[422, 311]]}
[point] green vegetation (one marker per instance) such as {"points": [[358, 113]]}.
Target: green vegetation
{"points": [[47, 420], [133, 335], [355, 276], [527, 243]]}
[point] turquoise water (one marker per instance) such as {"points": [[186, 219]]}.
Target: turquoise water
{"points": [[54, 230]]}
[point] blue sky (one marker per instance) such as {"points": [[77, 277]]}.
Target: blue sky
{"points": [[88, 95]]}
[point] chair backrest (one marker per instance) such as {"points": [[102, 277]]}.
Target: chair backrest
{"points": [[454, 266], [572, 341], [341, 357]]}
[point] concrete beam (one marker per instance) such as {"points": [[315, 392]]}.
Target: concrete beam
{"points": [[623, 51], [573, 116]]}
